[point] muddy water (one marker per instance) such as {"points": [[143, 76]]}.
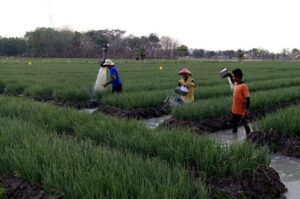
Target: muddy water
{"points": [[287, 167], [89, 110], [155, 122], [289, 171]]}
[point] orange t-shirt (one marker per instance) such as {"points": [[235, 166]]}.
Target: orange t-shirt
{"points": [[240, 93]]}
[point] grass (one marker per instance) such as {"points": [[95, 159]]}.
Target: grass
{"points": [[97, 156], [286, 122], [144, 84], [144, 99], [80, 169], [177, 147], [218, 107], [223, 90], [2, 192]]}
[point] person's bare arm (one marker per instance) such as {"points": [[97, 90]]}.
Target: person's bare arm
{"points": [[109, 82]]}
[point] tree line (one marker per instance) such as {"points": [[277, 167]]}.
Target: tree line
{"points": [[50, 42], [65, 43]]}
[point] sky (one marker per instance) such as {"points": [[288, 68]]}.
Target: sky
{"points": [[207, 24]]}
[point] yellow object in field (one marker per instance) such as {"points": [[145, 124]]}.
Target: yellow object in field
{"points": [[190, 84], [161, 68], [29, 63]]}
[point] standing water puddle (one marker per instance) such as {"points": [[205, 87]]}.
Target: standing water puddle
{"points": [[289, 171], [155, 122], [287, 167], [89, 110]]}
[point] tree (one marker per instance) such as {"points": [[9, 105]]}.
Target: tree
{"points": [[240, 55], [210, 54], [12, 47], [295, 53], [153, 44], [229, 54], [52, 42], [198, 53], [183, 50]]}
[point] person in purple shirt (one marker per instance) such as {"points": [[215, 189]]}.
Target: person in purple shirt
{"points": [[114, 76]]}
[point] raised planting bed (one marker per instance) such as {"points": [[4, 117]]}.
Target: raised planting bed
{"points": [[218, 107], [200, 155], [80, 169], [222, 123], [280, 131]]}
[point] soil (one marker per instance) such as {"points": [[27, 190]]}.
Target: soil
{"points": [[263, 183], [93, 103], [277, 142], [139, 113], [19, 188]]}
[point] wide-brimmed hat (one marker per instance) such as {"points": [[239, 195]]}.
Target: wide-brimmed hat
{"points": [[108, 62], [185, 71]]}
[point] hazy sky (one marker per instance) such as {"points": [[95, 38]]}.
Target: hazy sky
{"points": [[208, 24]]}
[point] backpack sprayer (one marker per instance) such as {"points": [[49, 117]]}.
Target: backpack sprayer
{"points": [[104, 54], [226, 74]]}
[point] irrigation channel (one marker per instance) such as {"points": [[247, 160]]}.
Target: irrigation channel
{"points": [[287, 167]]}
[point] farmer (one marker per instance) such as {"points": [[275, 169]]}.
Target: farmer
{"points": [[114, 76], [188, 82], [241, 101]]}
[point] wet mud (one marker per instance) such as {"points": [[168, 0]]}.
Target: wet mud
{"points": [[98, 106], [263, 183], [139, 113], [277, 142], [19, 188]]}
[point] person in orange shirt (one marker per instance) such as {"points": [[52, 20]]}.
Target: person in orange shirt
{"points": [[240, 102]]}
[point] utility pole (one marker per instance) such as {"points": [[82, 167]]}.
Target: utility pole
{"points": [[50, 17]]}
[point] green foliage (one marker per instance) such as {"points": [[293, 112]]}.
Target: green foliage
{"points": [[286, 121], [12, 46], [79, 169], [2, 87], [240, 55], [142, 99], [177, 147], [14, 88], [145, 85], [72, 95], [218, 107], [198, 53], [39, 91], [2, 192]]}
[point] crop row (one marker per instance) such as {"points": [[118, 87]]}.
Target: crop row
{"points": [[219, 107], [198, 152], [75, 80], [285, 121], [80, 169], [146, 99]]}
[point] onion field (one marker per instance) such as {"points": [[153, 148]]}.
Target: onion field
{"points": [[46, 140]]}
